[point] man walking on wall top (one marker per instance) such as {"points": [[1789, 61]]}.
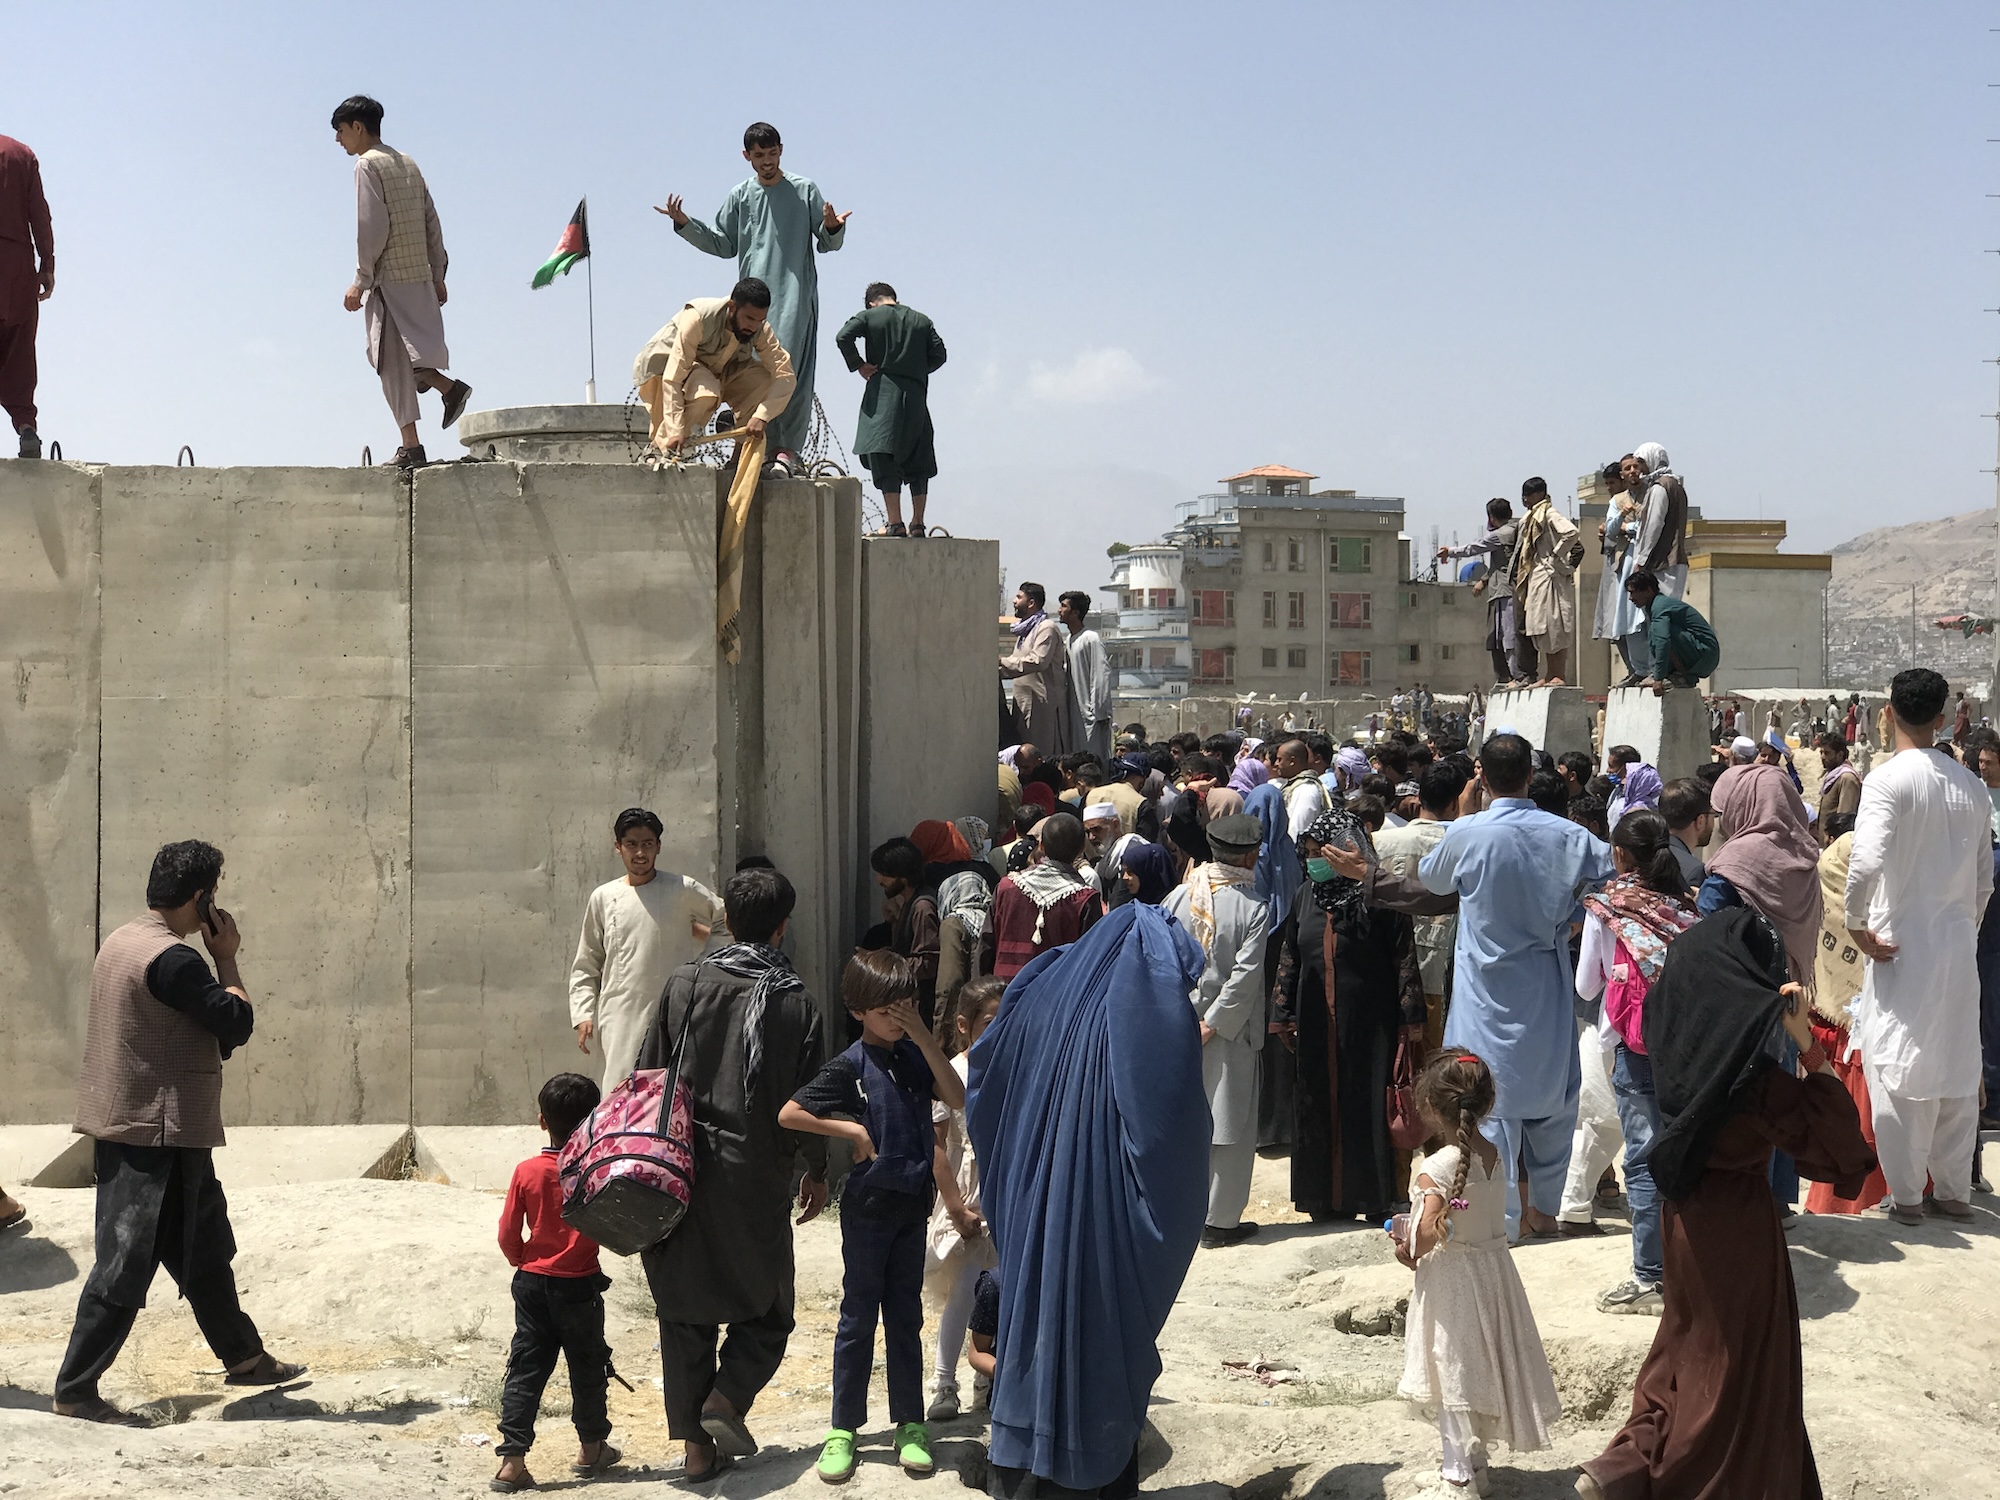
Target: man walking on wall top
{"points": [[772, 224], [399, 273], [24, 235]]}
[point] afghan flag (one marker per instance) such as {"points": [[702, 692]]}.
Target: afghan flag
{"points": [[571, 248]]}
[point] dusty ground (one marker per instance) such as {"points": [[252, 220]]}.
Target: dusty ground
{"points": [[396, 1295]]}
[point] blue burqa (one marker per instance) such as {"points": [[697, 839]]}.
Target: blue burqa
{"points": [[1086, 1113]]}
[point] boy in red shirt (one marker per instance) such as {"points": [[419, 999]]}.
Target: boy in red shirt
{"points": [[558, 1301]]}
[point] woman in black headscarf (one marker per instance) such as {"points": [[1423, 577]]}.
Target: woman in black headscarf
{"points": [[1719, 1405], [1348, 987]]}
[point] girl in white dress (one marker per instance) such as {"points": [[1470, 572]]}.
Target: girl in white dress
{"points": [[957, 1245], [1472, 1355]]}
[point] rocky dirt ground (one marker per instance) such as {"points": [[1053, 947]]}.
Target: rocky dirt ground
{"points": [[396, 1295]]}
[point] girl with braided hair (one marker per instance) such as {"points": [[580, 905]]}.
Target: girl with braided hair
{"points": [[1472, 1356]]}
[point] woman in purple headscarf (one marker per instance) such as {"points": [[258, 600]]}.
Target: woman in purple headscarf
{"points": [[1252, 771]]}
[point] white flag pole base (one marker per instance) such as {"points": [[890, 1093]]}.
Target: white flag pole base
{"points": [[590, 392]]}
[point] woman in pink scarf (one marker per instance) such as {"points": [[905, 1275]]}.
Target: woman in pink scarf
{"points": [[1771, 862]]}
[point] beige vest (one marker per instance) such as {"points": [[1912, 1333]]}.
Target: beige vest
{"points": [[407, 256], [151, 1077]]}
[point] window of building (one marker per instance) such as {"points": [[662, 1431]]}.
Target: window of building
{"points": [[1411, 601], [1270, 557], [1295, 554], [1444, 652], [1350, 554], [1270, 610], [1350, 611], [1295, 611], [1270, 658], [1214, 606], [1409, 653], [1160, 656], [1215, 666], [1295, 657], [1159, 598], [1349, 669]]}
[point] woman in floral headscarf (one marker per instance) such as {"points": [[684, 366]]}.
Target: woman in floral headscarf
{"points": [[1349, 988]]}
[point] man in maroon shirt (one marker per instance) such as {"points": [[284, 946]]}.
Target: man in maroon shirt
{"points": [[24, 234]]}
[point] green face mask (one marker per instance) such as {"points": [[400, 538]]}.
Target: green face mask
{"points": [[1320, 870]]}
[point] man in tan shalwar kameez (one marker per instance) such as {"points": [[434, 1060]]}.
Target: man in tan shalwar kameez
{"points": [[716, 349], [1545, 563], [400, 264], [1037, 669]]}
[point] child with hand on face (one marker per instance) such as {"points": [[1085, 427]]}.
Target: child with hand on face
{"points": [[878, 1096], [959, 1246], [1472, 1356]]}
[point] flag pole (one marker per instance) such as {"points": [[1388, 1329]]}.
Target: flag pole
{"points": [[590, 283]]}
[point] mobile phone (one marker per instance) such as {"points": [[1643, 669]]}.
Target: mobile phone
{"points": [[204, 908]]}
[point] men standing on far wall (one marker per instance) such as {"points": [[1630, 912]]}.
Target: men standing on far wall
{"points": [[1090, 679], [1513, 654], [1037, 669], [899, 353], [1545, 562], [399, 270], [637, 930], [772, 224], [1918, 880], [25, 233]]}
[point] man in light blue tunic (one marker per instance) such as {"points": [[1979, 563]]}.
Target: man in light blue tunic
{"points": [[1519, 873], [772, 224]]}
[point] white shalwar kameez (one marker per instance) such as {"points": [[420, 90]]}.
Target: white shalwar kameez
{"points": [[634, 937], [1919, 876]]}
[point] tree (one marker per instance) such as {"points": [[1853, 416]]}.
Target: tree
{"points": [[1116, 549]]}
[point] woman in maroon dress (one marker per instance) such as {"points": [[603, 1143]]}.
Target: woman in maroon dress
{"points": [[1718, 1412]]}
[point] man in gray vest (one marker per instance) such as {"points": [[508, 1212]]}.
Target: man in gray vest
{"points": [[161, 1025], [399, 269]]}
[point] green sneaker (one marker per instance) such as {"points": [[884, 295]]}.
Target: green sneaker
{"points": [[913, 1448], [836, 1459]]}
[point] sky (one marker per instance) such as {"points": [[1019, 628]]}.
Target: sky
{"points": [[1417, 250]]}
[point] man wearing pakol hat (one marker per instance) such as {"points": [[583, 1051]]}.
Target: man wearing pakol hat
{"points": [[1219, 906]]}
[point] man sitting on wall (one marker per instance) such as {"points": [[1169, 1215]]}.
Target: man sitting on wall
{"points": [[1682, 644]]}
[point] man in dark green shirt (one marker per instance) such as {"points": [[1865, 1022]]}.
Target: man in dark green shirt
{"points": [[899, 350], [1683, 645]]}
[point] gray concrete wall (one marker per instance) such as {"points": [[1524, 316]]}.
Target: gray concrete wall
{"points": [[564, 667], [928, 726], [48, 782], [408, 715], [256, 695]]}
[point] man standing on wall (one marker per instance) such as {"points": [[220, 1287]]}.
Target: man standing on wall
{"points": [[1090, 679], [899, 353], [399, 270], [1037, 669], [1512, 652], [772, 224], [150, 1096], [637, 930], [1545, 563], [25, 233]]}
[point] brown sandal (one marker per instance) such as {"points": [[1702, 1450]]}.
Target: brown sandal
{"points": [[893, 529], [267, 1371], [97, 1409]]}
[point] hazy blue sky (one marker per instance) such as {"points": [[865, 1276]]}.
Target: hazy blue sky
{"points": [[1418, 250]]}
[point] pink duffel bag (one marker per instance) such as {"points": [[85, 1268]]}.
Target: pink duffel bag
{"points": [[628, 1170]]}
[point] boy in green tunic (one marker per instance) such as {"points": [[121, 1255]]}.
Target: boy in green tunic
{"points": [[899, 350]]}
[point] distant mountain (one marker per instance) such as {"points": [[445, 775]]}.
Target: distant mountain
{"points": [[1951, 561]]}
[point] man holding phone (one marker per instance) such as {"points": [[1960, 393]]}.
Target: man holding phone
{"points": [[161, 1025]]}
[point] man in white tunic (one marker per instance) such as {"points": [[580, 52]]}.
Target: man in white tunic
{"points": [[637, 930], [1918, 880], [1304, 792], [1090, 679], [1654, 530], [400, 264], [1219, 906]]}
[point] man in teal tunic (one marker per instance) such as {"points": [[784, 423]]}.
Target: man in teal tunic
{"points": [[772, 224], [899, 350]]}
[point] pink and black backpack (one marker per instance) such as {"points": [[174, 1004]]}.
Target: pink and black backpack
{"points": [[627, 1171]]}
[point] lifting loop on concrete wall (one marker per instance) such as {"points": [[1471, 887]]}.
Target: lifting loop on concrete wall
{"points": [[367, 457], [55, 452], [186, 453]]}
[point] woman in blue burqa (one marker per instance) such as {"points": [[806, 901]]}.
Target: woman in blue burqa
{"points": [[1086, 1113]]}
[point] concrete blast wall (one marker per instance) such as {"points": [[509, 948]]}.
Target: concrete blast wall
{"points": [[408, 714]]}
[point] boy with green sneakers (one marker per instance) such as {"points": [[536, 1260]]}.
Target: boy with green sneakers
{"points": [[877, 1095]]}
